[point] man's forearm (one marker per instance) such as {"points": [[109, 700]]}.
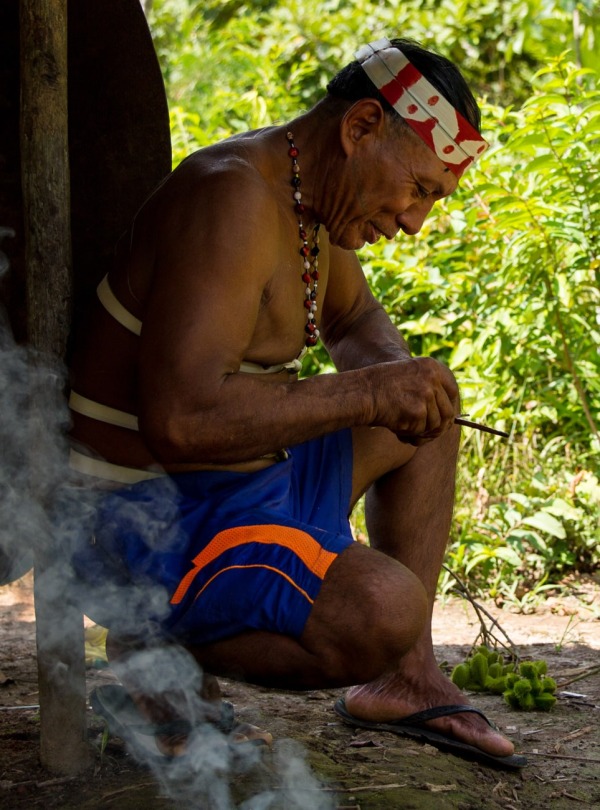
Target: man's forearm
{"points": [[371, 339]]}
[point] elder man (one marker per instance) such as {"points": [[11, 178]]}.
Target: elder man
{"points": [[189, 415]]}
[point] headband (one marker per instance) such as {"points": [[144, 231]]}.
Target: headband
{"points": [[445, 131]]}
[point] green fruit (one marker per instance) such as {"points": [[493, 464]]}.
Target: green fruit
{"points": [[536, 685], [544, 702], [461, 675], [527, 669], [496, 685], [479, 668], [522, 687], [548, 685], [511, 699], [495, 670], [527, 702], [541, 667]]}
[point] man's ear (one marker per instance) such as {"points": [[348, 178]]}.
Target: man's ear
{"points": [[364, 120]]}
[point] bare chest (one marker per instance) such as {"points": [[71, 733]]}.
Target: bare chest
{"points": [[291, 303]]}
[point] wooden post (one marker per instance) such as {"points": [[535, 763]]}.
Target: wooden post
{"points": [[46, 207]]}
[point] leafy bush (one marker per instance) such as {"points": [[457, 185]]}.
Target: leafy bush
{"points": [[502, 284]]}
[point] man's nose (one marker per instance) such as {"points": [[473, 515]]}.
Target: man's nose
{"points": [[411, 221]]}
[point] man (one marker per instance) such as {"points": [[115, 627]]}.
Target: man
{"points": [[186, 402]]}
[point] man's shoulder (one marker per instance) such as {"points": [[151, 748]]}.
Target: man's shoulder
{"points": [[225, 164]]}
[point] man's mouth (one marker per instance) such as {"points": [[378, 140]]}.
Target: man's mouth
{"points": [[374, 234]]}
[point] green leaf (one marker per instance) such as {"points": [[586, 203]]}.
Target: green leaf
{"points": [[546, 523]]}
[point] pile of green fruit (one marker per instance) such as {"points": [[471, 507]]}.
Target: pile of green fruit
{"points": [[525, 686]]}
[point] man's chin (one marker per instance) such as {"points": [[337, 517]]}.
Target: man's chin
{"points": [[349, 241]]}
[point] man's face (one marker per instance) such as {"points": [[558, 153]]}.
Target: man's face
{"points": [[391, 186]]}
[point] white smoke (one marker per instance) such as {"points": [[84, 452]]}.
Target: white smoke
{"points": [[202, 778], [32, 455]]}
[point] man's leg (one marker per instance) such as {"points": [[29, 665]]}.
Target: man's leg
{"points": [[408, 511], [369, 612]]}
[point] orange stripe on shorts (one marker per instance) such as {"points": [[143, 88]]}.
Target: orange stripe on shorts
{"points": [[257, 565], [314, 557]]}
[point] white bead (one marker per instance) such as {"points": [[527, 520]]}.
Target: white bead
{"points": [[313, 307], [306, 264], [307, 292], [297, 195]]}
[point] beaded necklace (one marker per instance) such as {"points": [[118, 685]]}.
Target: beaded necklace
{"points": [[310, 255]]}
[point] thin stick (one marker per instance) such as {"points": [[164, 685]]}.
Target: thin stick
{"points": [[580, 677], [559, 756], [458, 420], [485, 633]]}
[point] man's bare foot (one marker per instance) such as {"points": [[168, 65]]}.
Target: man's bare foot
{"points": [[394, 696]]}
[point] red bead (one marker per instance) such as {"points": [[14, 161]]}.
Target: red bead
{"points": [[302, 233], [304, 250], [306, 278], [307, 303], [299, 208], [310, 328], [293, 152], [311, 340], [315, 275]]}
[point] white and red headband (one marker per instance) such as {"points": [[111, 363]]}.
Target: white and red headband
{"points": [[445, 131]]}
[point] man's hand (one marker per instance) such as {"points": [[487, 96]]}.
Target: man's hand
{"points": [[417, 398]]}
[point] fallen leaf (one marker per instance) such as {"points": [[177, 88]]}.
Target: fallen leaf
{"points": [[439, 788], [364, 744]]}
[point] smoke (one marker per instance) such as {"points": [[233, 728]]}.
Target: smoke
{"points": [[205, 777], [31, 444], [43, 512]]}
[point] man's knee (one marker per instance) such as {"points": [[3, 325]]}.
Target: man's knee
{"points": [[369, 614]]}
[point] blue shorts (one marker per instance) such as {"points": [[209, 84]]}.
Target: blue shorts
{"points": [[206, 555]]}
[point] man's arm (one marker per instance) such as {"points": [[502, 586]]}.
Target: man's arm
{"points": [[356, 329], [203, 318]]}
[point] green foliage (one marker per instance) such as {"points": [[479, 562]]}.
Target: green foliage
{"points": [[503, 282], [526, 687]]}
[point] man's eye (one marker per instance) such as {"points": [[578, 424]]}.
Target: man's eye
{"points": [[422, 192]]}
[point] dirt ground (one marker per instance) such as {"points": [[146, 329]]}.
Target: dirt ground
{"points": [[317, 763]]}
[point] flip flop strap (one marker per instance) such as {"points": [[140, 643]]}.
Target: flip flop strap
{"points": [[434, 712]]}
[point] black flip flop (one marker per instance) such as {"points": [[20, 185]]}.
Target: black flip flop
{"points": [[413, 726]]}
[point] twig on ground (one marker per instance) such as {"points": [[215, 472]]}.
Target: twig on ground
{"points": [[584, 674], [362, 788], [60, 780], [19, 708], [560, 756], [128, 787], [486, 634]]}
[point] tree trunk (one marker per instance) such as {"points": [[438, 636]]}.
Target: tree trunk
{"points": [[46, 207]]}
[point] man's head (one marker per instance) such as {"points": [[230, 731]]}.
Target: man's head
{"points": [[352, 83], [394, 168], [421, 89]]}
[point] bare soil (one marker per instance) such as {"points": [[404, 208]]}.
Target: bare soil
{"points": [[317, 762]]}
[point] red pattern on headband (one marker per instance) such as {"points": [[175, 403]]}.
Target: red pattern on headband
{"points": [[445, 131]]}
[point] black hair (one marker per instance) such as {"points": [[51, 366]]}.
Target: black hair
{"points": [[352, 83]]}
